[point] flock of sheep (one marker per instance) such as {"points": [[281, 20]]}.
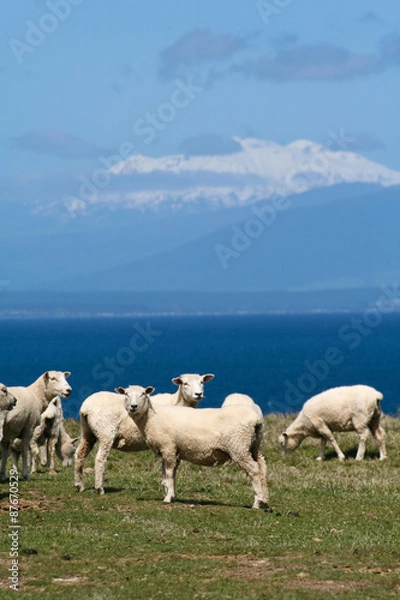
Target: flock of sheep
{"points": [[132, 419]]}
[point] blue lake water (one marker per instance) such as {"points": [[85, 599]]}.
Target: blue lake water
{"points": [[279, 360]]}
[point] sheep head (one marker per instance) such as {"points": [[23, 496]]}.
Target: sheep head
{"points": [[136, 398]]}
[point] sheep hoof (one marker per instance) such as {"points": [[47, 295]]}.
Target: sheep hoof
{"points": [[168, 500], [320, 458], [79, 487], [100, 491], [52, 472], [259, 503]]}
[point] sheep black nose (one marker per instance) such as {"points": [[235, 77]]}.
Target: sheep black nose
{"points": [[133, 407]]}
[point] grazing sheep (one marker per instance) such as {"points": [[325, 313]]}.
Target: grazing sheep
{"points": [[7, 402], [31, 402], [208, 437], [242, 399], [104, 419], [348, 408]]}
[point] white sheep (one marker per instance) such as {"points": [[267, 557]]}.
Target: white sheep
{"points": [[65, 447], [47, 432], [236, 399], [22, 420], [104, 419], [7, 403], [50, 438], [208, 437], [348, 408]]}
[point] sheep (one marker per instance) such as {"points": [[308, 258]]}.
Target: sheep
{"points": [[64, 444], [47, 432], [7, 403], [51, 437], [65, 447], [208, 437], [347, 408], [104, 419], [20, 423], [242, 399]]}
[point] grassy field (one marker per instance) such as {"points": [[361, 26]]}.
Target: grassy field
{"points": [[334, 531]]}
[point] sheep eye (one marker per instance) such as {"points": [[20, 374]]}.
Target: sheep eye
{"points": [[4, 390]]}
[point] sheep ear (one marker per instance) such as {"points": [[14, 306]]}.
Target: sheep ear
{"points": [[207, 377], [177, 381], [46, 376], [75, 441], [285, 435], [149, 390], [120, 390], [67, 374]]}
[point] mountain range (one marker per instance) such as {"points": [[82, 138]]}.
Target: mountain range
{"points": [[262, 218]]}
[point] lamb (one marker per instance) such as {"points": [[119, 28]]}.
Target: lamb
{"points": [[347, 408], [104, 419], [31, 402], [7, 402], [208, 437], [242, 399], [65, 447], [51, 437]]}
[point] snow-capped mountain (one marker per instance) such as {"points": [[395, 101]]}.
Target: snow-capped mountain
{"points": [[259, 170]]}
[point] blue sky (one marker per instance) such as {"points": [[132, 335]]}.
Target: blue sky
{"points": [[77, 76]]}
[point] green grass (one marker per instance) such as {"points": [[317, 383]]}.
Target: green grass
{"points": [[334, 531]]}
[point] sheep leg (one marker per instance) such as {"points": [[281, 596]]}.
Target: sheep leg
{"points": [[164, 482], [252, 469], [5, 448], [25, 458], [379, 434], [15, 454], [322, 451], [100, 464], [86, 444], [51, 444], [324, 431], [362, 435], [169, 468], [35, 453], [44, 456], [263, 475]]}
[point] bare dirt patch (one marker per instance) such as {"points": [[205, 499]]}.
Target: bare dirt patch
{"points": [[26, 504]]}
